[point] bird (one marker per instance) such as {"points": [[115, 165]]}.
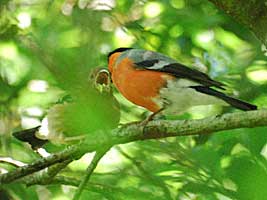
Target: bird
{"points": [[77, 117], [71, 118], [161, 84]]}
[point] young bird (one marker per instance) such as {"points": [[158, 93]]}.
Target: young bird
{"points": [[72, 117], [70, 120], [159, 83]]}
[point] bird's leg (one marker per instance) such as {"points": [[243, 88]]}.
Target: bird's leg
{"points": [[151, 117], [145, 121]]}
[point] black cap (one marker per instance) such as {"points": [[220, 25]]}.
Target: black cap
{"points": [[121, 49]]}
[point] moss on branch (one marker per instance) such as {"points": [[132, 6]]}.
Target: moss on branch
{"points": [[153, 130]]}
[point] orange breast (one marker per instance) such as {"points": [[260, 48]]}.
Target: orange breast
{"points": [[139, 86]]}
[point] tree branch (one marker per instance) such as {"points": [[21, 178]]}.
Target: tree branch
{"points": [[10, 161], [169, 128], [69, 153], [47, 175], [153, 130], [105, 190], [252, 14], [153, 179], [97, 157]]}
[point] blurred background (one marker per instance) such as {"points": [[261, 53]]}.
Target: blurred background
{"points": [[47, 49]]}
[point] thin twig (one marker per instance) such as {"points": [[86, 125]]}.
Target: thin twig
{"points": [[11, 161], [97, 157], [104, 190], [154, 179], [46, 176], [72, 152]]}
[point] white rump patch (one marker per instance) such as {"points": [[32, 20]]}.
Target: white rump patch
{"points": [[181, 97]]}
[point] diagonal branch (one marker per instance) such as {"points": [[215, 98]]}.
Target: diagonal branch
{"points": [[153, 179], [153, 130], [105, 190], [10, 161], [69, 153], [97, 157], [47, 175]]}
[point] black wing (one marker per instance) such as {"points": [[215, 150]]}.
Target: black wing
{"points": [[181, 71]]}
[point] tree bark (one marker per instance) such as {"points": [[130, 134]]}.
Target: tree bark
{"points": [[251, 13], [134, 132]]}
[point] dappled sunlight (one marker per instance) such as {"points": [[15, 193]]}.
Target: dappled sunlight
{"points": [[37, 86], [29, 122], [178, 4], [81, 164], [231, 40], [153, 9], [205, 37], [34, 111], [61, 197], [176, 31], [122, 38], [13, 66], [238, 148], [112, 161], [257, 72], [72, 38], [47, 52], [8, 50], [258, 76], [102, 4], [24, 20]]}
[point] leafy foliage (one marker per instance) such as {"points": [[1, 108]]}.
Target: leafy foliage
{"points": [[47, 49]]}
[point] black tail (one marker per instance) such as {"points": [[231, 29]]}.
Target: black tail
{"points": [[29, 136], [230, 100]]}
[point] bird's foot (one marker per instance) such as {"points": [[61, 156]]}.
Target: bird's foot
{"points": [[146, 120], [150, 118]]}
